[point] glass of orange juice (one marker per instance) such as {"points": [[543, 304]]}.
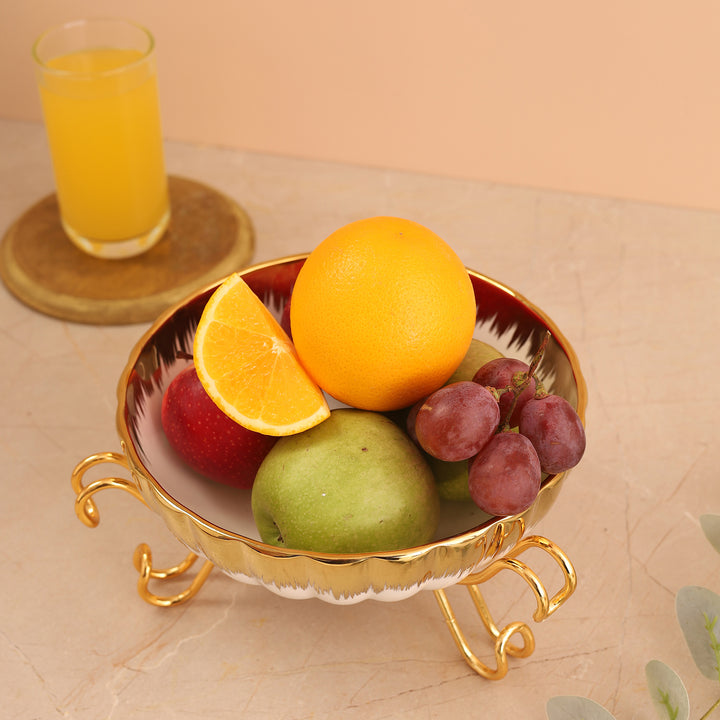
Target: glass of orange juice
{"points": [[98, 87]]}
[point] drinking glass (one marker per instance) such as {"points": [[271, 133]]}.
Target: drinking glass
{"points": [[98, 86]]}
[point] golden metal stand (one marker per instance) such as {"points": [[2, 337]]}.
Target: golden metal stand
{"points": [[87, 512], [142, 559], [545, 606]]}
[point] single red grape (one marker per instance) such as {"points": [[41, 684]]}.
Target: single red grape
{"points": [[507, 372], [555, 430], [456, 421], [504, 478]]}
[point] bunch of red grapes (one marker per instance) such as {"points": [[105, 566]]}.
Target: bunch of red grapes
{"points": [[508, 428]]}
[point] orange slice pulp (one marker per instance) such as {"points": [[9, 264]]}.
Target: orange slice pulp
{"points": [[248, 365]]}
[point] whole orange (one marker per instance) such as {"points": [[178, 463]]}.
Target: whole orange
{"points": [[382, 313]]}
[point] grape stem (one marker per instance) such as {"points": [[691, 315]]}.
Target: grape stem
{"points": [[537, 358], [518, 386]]}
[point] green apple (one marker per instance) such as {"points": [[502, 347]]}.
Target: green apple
{"points": [[451, 479], [477, 355], [354, 483]]}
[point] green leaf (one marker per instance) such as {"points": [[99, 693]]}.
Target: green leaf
{"points": [[572, 707], [698, 610], [667, 691], [711, 527]]}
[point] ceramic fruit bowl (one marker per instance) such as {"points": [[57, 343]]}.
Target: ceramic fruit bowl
{"points": [[214, 521]]}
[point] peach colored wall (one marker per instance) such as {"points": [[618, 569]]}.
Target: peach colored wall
{"points": [[617, 98]]}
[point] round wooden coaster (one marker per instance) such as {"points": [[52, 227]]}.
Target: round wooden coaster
{"points": [[209, 236]]}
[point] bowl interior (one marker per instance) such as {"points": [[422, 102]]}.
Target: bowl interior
{"points": [[505, 319]]}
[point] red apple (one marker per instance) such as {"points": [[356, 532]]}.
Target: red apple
{"points": [[207, 439]]}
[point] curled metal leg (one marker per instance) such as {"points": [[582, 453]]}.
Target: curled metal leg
{"points": [[85, 507], [502, 644], [87, 512], [142, 559], [501, 637]]}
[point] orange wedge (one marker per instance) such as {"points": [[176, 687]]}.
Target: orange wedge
{"points": [[248, 365]]}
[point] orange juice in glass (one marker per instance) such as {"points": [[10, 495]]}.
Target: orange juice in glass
{"points": [[98, 88]]}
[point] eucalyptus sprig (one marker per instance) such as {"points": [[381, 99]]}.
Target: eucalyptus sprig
{"points": [[698, 614]]}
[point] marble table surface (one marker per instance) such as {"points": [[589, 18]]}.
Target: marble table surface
{"points": [[636, 290]]}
